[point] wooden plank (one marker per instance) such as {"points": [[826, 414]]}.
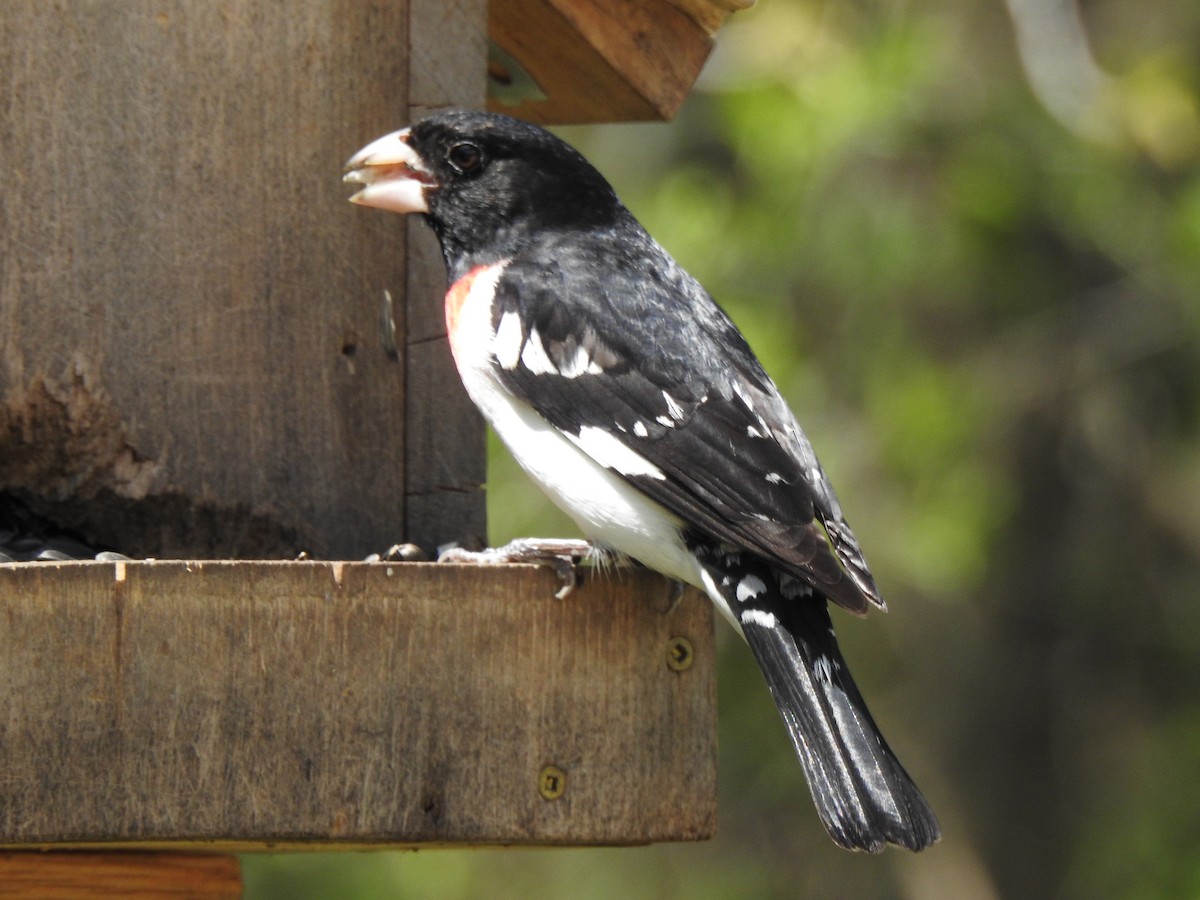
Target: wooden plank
{"points": [[446, 457], [447, 48], [445, 454], [192, 356], [127, 876], [711, 14], [601, 60], [225, 704]]}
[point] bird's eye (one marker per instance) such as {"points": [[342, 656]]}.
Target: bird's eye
{"points": [[466, 158]]}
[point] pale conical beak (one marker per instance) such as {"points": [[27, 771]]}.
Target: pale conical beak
{"points": [[393, 175]]}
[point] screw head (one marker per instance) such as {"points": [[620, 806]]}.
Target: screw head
{"points": [[552, 782], [679, 654]]}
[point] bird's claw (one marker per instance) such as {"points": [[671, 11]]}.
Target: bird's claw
{"points": [[560, 555]]}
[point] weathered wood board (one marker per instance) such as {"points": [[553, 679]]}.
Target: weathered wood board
{"points": [[601, 60], [245, 704], [191, 352], [127, 876]]}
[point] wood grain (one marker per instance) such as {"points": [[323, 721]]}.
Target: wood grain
{"points": [[601, 60], [191, 360], [445, 455], [711, 14], [253, 704], [125, 876]]}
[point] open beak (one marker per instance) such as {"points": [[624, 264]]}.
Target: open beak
{"points": [[393, 175]]}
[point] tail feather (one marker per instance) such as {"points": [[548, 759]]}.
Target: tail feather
{"points": [[863, 795]]}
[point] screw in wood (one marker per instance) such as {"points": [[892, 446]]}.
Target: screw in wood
{"points": [[679, 654], [552, 782]]}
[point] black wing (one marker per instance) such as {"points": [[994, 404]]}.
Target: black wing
{"points": [[620, 338]]}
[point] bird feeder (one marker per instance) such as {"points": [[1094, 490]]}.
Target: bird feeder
{"points": [[213, 361]]}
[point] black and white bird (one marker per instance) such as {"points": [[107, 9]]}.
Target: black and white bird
{"points": [[630, 397]]}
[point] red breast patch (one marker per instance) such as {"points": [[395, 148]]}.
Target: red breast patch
{"points": [[456, 299], [456, 296]]}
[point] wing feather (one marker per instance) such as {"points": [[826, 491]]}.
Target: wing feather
{"points": [[700, 409]]}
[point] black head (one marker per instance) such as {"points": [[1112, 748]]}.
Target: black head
{"points": [[487, 183]]}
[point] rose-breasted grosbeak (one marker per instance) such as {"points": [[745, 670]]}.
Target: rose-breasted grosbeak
{"points": [[632, 400]]}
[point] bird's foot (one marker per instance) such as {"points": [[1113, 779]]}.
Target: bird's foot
{"points": [[561, 555]]}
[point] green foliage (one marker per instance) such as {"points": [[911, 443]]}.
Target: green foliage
{"points": [[985, 314]]}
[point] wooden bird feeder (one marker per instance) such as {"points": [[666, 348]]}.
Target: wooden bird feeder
{"points": [[582, 61], [211, 357]]}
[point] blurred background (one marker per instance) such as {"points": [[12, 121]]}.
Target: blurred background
{"points": [[965, 240]]}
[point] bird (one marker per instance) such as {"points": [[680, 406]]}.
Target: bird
{"points": [[631, 398]]}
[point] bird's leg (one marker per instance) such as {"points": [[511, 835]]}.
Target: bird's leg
{"points": [[562, 555]]}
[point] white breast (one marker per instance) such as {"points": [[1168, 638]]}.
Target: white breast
{"points": [[587, 487]]}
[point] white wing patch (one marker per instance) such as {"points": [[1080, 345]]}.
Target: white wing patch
{"points": [[791, 587], [576, 361], [674, 410], [534, 356], [506, 345], [759, 617], [609, 452], [749, 588], [824, 667], [567, 359], [744, 395]]}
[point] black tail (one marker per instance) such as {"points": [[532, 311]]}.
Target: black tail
{"points": [[863, 795]]}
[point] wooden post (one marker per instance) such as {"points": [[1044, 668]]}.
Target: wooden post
{"points": [[193, 361]]}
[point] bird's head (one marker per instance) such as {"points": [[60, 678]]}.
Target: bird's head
{"points": [[485, 182]]}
